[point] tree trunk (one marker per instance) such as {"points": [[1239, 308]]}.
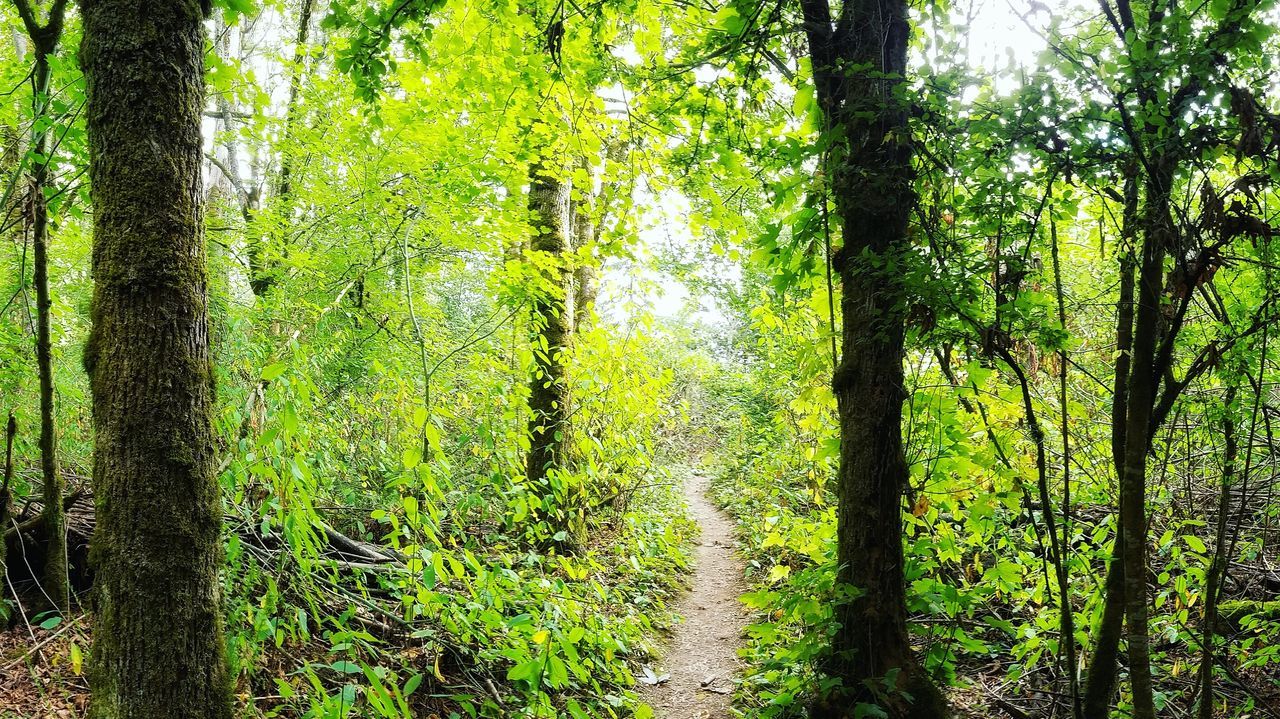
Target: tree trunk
{"points": [[262, 270], [44, 41], [284, 184], [1057, 556], [1068, 624], [584, 238], [586, 289], [54, 583], [1100, 685], [549, 206], [874, 193], [1141, 402], [1213, 578], [607, 202], [158, 650]]}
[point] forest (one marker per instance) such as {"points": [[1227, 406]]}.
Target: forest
{"points": [[609, 359]]}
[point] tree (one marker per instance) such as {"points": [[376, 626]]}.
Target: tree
{"points": [[44, 42], [158, 648], [859, 66], [262, 271], [551, 318], [1167, 82]]}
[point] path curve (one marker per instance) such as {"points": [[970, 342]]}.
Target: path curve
{"points": [[700, 665]]}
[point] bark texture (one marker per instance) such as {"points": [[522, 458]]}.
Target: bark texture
{"points": [[549, 206], [44, 42], [859, 62], [54, 581], [158, 650]]}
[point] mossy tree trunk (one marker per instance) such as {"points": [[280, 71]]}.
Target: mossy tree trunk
{"points": [[859, 63], [550, 315], [157, 648], [44, 40]]}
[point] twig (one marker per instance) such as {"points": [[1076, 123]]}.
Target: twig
{"points": [[41, 644]]}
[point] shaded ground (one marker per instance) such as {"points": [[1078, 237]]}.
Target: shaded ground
{"points": [[696, 675], [41, 676]]}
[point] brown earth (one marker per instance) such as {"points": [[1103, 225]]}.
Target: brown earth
{"points": [[699, 667]]}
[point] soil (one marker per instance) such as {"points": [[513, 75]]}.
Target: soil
{"points": [[697, 674]]}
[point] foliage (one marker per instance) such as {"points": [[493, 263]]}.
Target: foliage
{"points": [[372, 295]]}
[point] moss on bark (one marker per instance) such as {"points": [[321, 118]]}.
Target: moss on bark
{"points": [[158, 647], [872, 184], [549, 206]]}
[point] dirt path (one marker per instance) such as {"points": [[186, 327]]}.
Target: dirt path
{"points": [[701, 661]]}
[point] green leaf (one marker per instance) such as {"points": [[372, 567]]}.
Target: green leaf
{"points": [[526, 671], [272, 371], [1197, 545]]}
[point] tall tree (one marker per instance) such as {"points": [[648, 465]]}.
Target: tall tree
{"points": [[262, 269], [44, 42], [859, 63], [292, 114], [549, 208], [1101, 680], [158, 648], [1168, 80]]}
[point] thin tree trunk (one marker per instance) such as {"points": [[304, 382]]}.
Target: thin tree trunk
{"points": [[586, 290], [420, 339], [284, 186], [1133, 480], [54, 584], [158, 648], [549, 206], [1068, 623], [44, 41], [262, 272], [608, 201], [1100, 684], [584, 239], [1066, 619], [1213, 577]]}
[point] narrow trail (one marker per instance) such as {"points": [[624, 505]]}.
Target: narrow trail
{"points": [[698, 669]]}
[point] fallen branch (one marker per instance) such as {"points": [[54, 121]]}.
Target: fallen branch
{"points": [[34, 523]]}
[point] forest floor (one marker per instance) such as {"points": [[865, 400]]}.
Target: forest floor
{"points": [[695, 679], [41, 674]]}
